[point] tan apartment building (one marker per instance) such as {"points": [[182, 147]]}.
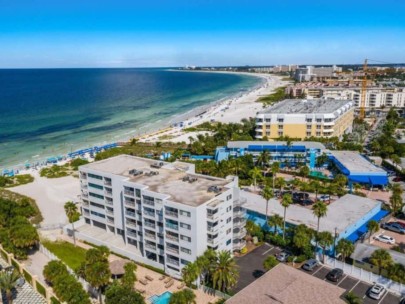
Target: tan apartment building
{"points": [[301, 118]]}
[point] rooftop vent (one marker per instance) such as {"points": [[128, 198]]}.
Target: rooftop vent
{"points": [[157, 165], [214, 189], [135, 172], [152, 173], [190, 179]]}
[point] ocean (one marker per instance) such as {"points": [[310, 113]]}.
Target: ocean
{"points": [[49, 112]]}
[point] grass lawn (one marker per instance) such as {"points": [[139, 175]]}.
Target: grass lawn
{"points": [[67, 252]]}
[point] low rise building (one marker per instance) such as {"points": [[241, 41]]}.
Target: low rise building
{"points": [[310, 73], [157, 213], [297, 152], [301, 118], [358, 169], [285, 284]]}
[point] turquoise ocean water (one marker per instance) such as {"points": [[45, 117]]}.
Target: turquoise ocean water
{"points": [[48, 112]]}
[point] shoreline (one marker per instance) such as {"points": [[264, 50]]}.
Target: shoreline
{"points": [[241, 103]]}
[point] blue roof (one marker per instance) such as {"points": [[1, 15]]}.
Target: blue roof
{"points": [[363, 229]]}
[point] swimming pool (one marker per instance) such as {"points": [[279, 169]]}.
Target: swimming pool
{"points": [[164, 298]]}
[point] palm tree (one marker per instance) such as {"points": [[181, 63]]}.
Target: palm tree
{"points": [[185, 296], [267, 194], [325, 239], [8, 281], [381, 258], [396, 198], [275, 168], [263, 158], [304, 172], [345, 248], [255, 174], [280, 183], [285, 202], [190, 273], [224, 271], [275, 221], [73, 215], [204, 263], [372, 227], [319, 209], [316, 186]]}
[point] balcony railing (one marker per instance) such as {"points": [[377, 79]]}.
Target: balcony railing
{"points": [[213, 229], [150, 225], [213, 216], [131, 233], [172, 250], [239, 213], [107, 183], [148, 202], [127, 192], [110, 221], [108, 211], [212, 241], [172, 226], [109, 193], [240, 223], [133, 214], [239, 202], [150, 213], [240, 234], [172, 238], [172, 214], [129, 203], [150, 246], [239, 245], [109, 202], [172, 261], [150, 235], [130, 223]]}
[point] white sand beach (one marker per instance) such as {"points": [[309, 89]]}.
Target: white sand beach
{"points": [[232, 110]]}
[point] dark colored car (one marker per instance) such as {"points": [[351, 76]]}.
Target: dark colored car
{"points": [[394, 226], [398, 179], [307, 202], [335, 275]]}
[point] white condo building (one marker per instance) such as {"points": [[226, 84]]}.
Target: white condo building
{"points": [[157, 213]]}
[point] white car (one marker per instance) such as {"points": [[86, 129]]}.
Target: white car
{"points": [[385, 239], [376, 292]]}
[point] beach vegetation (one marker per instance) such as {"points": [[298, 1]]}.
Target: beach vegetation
{"points": [[21, 205], [72, 256], [16, 180], [54, 172], [64, 284], [278, 95], [8, 282], [117, 293], [77, 162]]}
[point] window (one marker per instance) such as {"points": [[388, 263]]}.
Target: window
{"points": [[185, 226], [184, 262], [228, 241], [319, 120], [97, 214], [228, 219], [280, 127], [96, 186], [229, 231], [229, 197], [308, 134], [318, 127], [228, 208], [185, 250], [309, 127], [318, 133], [268, 133], [95, 176], [309, 119], [280, 133], [185, 238], [268, 119], [280, 120], [96, 195], [185, 213]]}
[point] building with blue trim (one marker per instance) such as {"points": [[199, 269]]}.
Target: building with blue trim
{"points": [[304, 152], [358, 169]]}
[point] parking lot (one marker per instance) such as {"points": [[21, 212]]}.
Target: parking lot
{"points": [[399, 239], [251, 265], [251, 268], [356, 286]]}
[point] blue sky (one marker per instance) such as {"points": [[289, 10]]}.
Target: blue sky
{"points": [[78, 33]]}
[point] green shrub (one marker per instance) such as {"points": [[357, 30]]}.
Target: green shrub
{"points": [[41, 288], [54, 300], [27, 276], [301, 258]]}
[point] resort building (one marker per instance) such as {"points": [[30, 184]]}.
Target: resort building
{"points": [[291, 155], [347, 216], [157, 213], [301, 118], [358, 169]]}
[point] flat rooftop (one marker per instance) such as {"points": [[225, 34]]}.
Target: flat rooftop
{"points": [[304, 106], [169, 179], [246, 144], [356, 163], [342, 213], [285, 284]]}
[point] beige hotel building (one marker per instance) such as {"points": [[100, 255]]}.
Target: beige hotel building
{"points": [[300, 118]]}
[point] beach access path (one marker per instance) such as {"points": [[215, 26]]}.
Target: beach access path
{"points": [[51, 194], [231, 110]]}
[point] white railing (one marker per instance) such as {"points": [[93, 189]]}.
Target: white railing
{"points": [[366, 276]]}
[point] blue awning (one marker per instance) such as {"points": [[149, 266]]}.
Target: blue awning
{"points": [[363, 229]]}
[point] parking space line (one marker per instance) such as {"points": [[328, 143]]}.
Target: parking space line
{"points": [[268, 250], [317, 270], [342, 280], [355, 285], [386, 292]]}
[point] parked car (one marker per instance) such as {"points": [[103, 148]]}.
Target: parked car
{"points": [[324, 198], [335, 275], [282, 256], [397, 179], [376, 292], [385, 239], [393, 226], [306, 202], [402, 224], [310, 265]]}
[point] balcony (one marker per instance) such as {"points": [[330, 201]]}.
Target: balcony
{"points": [[129, 213], [130, 223], [172, 214], [148, 202], [149, 213], [239, 245], [85, 203], [239, 223], [129, 203], [213, 229], [150, 246], [172, 226], [213, 216], [240, 234], [130, 193], [239, 213], [172, 261], [109, 193], [110, 221], [131, 234], [108, 201], [150, 236], [239, 202], [107, 183], [109, 211], [172, 250], [212, 241], [150, 225], [172, 238]]}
